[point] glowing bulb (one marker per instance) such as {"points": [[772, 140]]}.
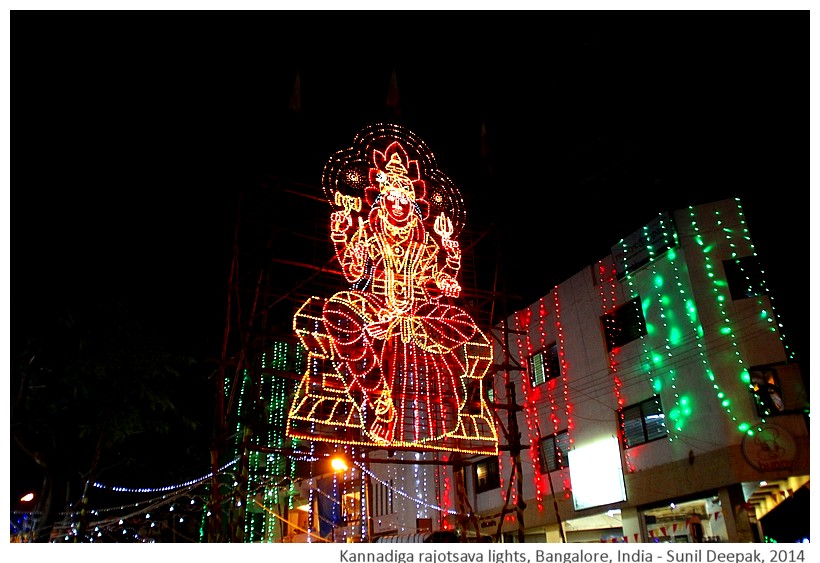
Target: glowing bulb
{"points": [[338, 464]]}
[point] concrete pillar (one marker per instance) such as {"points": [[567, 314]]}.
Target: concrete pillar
{"points": [[631, 524], [735, 514], [553, 533]]}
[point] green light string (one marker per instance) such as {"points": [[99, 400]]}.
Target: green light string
{"points": [[772, 316], [283, 357], [719, 290], [648, 364], [671, 333], [691, 314]]}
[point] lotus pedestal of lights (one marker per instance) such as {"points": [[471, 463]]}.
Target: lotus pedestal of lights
{"points": [[393, 359]]}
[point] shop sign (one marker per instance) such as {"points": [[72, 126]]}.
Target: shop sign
{"points": [[771, 449]]}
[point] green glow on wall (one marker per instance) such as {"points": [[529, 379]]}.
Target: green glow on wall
{"points": [[665, 300], [657, 385], [686, 405], [650, 328], [671, 254], [720, 292], [745, 377], [657, 359], [675, 336], [674, 414], [690, 306], [658, 281]]}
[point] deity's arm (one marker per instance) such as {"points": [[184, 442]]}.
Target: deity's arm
{"points": [[452, 263], [444, 275], [351, 253], [443, 226]]}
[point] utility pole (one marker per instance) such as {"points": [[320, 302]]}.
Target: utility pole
{"points": [[511, 432]]}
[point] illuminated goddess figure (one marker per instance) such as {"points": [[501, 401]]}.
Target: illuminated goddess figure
{"points": [[392, 360]]}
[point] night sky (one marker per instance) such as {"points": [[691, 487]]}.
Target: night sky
{"points": [[133, 136]]}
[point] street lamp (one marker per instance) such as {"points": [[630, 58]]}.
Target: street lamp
{"points": [[339, 464]]}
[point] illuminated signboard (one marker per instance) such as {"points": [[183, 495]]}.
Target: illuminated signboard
{"points": [[596, 474]]}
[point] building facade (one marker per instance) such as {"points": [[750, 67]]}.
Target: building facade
{"points": [[659, 400]]}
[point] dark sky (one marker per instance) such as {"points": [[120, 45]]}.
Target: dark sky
{"points": [[134, 133]]}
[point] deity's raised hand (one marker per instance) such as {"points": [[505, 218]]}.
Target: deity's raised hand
{"points": [[443, 226], [340, 221], [349, 202]]}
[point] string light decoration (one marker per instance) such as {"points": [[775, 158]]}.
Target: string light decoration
{"points": [[691, 313], [504, 382], [563, 365], [447, 493], [607, 282], [742, 236], [420, 503], [391, 358], [509, 490], [532, 395], [671, 333], [269, 468], [725, 331], [667, 315], [650, 359]]}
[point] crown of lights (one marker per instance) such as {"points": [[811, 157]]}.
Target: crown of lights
{"points": [[352, 173]]}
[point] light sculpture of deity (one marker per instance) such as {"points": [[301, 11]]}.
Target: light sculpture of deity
{"points": [[393, 361]]}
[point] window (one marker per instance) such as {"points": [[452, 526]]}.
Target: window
{"points": [[624, 324], [767, 391], [642, 423], [486, 475], [544, 365], [745, 277], [554, 452]]}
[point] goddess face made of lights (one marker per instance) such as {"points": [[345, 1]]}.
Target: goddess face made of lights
{"points": [[397, 356]]}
